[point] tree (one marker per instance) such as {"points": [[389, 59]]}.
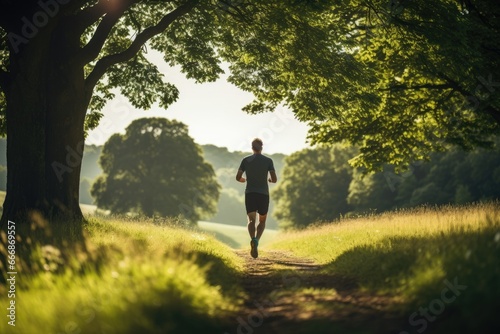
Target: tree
{"points": [[368, 193], [452, 177], [156, 168], [54, 55], [314, 187]]}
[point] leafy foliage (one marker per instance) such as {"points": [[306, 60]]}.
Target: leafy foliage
{"points": [[397, 79], [155, 168]]}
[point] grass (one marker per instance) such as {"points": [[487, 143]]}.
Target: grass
{"points": [[133, 277], [156, 276], [415, 255]]}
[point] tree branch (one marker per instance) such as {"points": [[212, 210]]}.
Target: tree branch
{"points": [[90, 51], [453, 84], [106, 62]]}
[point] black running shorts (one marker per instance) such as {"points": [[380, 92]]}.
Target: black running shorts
{"points": [[257, 202]]}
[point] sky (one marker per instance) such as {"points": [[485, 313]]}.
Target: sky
{"points": [[212, 112]]}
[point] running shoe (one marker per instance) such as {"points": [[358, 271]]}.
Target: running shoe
{"points": [[254, 244]]}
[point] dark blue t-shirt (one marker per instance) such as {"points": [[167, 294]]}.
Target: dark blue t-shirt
{"points": [[256, 167]]}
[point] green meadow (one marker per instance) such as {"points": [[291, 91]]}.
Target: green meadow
{"points": [[161, 276], [130, 276], [445, 259]]}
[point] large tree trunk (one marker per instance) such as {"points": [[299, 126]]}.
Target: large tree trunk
{"points": [[45, 137]]}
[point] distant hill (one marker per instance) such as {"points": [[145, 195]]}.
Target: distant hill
{"points": [[231, 209]]}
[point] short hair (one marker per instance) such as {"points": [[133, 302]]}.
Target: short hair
{"points": [[257, 144]]}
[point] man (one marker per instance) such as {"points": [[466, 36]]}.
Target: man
{"points": [[256, 166]]}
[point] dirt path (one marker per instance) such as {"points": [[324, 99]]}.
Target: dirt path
{"points": [[287, 294]]}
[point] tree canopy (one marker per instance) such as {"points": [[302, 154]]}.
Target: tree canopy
{"points": [[156, 168], [399, 79]]}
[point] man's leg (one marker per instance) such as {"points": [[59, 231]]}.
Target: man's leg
{"points": [[251, 224], [262, 225], [251, 230]]}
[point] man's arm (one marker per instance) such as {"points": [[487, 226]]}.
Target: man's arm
{"points": [[273, 178], [239, 177]]}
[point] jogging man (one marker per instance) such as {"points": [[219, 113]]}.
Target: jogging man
{"points": [[256, 167]]}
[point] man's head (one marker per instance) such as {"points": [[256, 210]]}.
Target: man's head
{"points": [[257, 145]]}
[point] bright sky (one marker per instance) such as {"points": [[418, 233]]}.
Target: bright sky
{"points": [[213, 114]]}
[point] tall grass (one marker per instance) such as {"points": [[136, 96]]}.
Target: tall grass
{"points": [[129, 277], [415, 255]]}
